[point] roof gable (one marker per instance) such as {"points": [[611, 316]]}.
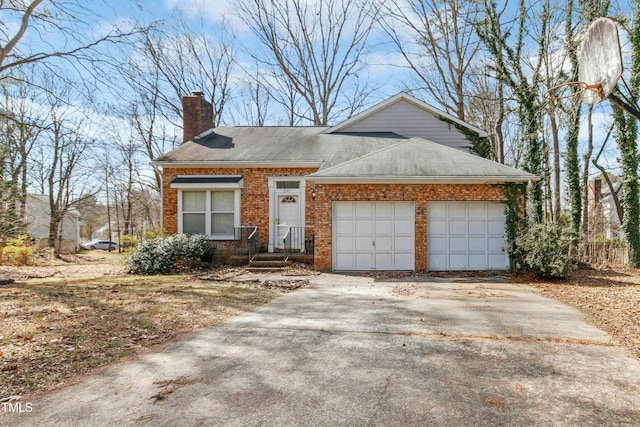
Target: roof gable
{"points": [[417, 159], [405, 115]]}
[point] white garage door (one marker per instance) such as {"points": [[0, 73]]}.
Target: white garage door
{"points": [[373, 236], [466, 236]]}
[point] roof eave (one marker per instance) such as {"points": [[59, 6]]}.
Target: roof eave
{"points": [[409, 98], [235, 164], [420, 179]]}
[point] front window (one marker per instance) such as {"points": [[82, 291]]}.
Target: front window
{"points": [[210, 212], [221, 213], [194, 213]]}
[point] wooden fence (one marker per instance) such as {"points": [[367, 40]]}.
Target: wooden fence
{"points": [[605, 253]]}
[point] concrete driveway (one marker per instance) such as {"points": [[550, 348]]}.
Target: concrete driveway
{"points": [[354, 351]]}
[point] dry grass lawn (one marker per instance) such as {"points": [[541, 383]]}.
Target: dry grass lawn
{"points": [[82, 316]]}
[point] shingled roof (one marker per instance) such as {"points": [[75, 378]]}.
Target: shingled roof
{"points": [[420, 160], [270, 146]]}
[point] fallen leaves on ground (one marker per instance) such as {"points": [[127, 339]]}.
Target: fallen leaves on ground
{"points": [[609, 297]]}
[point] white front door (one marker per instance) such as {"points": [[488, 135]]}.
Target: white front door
{"points": [[288, 215]]}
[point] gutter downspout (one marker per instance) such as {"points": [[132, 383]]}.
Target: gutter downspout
{"points": [[158, 169]]}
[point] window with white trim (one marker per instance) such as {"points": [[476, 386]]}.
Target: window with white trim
{"points": [[214, 213]]}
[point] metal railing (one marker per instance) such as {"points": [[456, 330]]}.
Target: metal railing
{"points": [[246, 240], [297, 239]]}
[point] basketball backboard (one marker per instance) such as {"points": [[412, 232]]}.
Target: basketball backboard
{"points": [[599, 60]]}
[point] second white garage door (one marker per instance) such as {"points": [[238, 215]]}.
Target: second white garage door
{"points": [[466, 236], [373, 236]]}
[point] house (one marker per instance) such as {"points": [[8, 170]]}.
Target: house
{"points": [[37, 218], [392, 188], [604, 219]]}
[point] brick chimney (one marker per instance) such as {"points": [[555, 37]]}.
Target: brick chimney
{"points": [[197, 115]]}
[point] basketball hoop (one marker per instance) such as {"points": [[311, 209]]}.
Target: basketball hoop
{"points": [[600, 60], [558, 92], [599, 68]]}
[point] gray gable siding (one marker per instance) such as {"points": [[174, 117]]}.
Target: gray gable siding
{"points": [[408, 120]]}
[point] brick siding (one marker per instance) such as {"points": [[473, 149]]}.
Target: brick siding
{"points": [[255, 203], [254, 207]]}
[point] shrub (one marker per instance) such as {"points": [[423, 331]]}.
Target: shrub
{"points": [[158, 255], [545, 250], [19, 250], [127, 242], [155, 232]]}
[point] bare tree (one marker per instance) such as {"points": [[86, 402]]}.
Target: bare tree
{"points": [[58, 164], [176, 61], [318, 47], [170, 63], [19, 132], [254, 99], [27, 42], [438, 41]]}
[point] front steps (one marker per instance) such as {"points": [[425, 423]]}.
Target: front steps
{"points": [[271, 261]]}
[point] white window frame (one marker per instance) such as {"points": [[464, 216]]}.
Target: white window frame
{"points": [[208, 188]]}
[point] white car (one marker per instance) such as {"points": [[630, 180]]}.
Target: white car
{"points": [[100, 244]]}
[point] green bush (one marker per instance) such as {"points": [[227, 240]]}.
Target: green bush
{"points": [[161, 255], [127, 242], [545, 250], [155, 232], [19, 250]]}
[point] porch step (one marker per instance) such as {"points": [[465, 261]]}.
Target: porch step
{"points": [[269, 261], [269, 264]]}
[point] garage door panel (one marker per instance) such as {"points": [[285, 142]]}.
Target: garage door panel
{"points": [[477, 211], [344, 226], [438, 261], [457, 210], [384, 261], [364, 226], [373, 235], [403, 210], [477, 227], [477, 261], [402, 242], [496, 227], [437, 244], [458, 227], [495, 210], [438, 227], [344, 261], [383, 226], [364, 210], [458, 261], [497, 262], [437, 211], [495, 244], [344, 243], [363, 261], [384, 243], [384, 210], [403, 226], [363, 243], [477, 244], [403, 261], [466, 236], [457, 244]]}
